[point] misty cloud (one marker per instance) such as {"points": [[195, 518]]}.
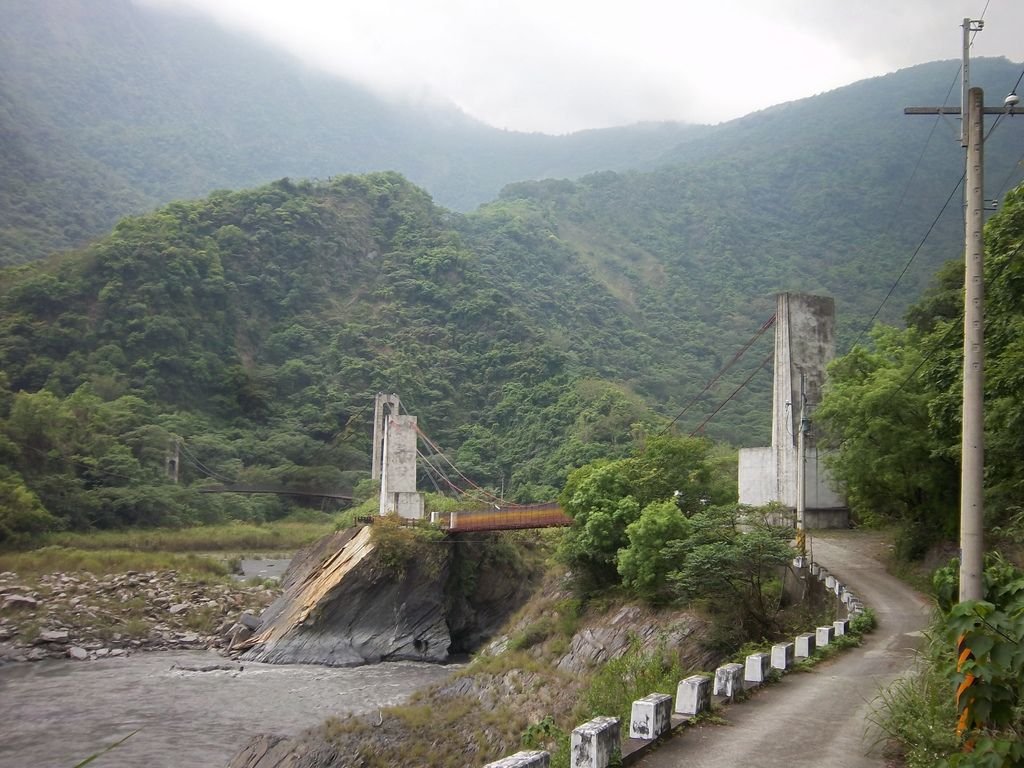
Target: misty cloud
{"points": [[564, 65]]}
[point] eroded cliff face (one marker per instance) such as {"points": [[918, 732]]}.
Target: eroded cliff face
{"points": [[342, 607], [350, 600]]}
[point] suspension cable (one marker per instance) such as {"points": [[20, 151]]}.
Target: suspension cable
{"points": [[714, 379]]}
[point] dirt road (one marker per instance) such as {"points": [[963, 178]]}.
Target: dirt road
{"points": [[820, 718]]}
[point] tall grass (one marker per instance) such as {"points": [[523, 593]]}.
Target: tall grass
{"points": [[231, 537], [918, 712], [106, 561]]}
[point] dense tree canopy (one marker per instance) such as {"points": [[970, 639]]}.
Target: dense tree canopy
{"points": [[892, 410], [256, 327], [614, 503]]}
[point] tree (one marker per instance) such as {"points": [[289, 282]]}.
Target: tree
{"points": [[21, 514], [732, 560], [645, 564], [877, 421], [605, 497]]}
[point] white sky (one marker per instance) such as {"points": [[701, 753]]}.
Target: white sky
{"points": [[565, 65]]}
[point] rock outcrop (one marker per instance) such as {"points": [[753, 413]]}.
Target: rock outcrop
{"points": [[340, 607], [347, 602]]}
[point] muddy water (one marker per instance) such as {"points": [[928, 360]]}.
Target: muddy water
{"points": [[57, 713]]}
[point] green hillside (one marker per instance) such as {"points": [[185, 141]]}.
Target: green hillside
{"points": [[258, 326], [108, 108]]}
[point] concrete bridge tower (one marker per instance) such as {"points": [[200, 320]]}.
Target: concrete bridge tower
{"points": [[394, 459], [804, 345]]}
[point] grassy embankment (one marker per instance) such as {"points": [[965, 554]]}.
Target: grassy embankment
{"points": [[187, 550], [102, 603]]}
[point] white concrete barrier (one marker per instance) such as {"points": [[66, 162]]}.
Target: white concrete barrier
{"points": [[815, 569], [526, 759], [823, 574], [841, 627], [651, 716], [756, 669], [823, 636], [804, 645], [729, 680], [799, 562], [838, 588], [782, 656], [593, 744], [830, 582], [693, 695]]}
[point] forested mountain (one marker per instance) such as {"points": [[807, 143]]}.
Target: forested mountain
{"points": [[545, 329], [833, 194], [109, 108], [258, 326]]}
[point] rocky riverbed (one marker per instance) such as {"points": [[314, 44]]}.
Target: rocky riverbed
{"points": [[82, 616]]}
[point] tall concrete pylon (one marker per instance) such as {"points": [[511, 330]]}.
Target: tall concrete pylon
{"points": [[804, 346], [394, 458]]}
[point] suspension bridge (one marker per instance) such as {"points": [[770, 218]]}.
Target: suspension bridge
{"points": [[403, 454]]}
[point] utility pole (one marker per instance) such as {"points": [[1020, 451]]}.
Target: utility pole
{"points": [[972, 546], [801, 470]]}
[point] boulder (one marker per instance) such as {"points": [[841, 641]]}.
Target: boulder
{"points": [[19, 601], [53, 636]]}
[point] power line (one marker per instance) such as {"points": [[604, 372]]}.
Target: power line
{"points": [[1002, 188], [81, 464], [935, 123], [953, 326], [910, 261]]}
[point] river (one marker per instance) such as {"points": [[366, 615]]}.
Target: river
{"points": [[54, 714]]}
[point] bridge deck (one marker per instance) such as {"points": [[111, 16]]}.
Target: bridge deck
{"points": [[508, 518]]}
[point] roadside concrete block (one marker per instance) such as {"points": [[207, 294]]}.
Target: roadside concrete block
{"points": [[593, 744], [651, 716], [823, 635], [804, 645], [847, 597], [841, 626], [799, 562], [757, 668], [693, 695], [815, 569], [830, 582], [729, 680], [838, 588], [782, 656], [526, 759], [823, 574]]}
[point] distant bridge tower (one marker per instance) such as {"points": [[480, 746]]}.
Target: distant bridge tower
{"points": [[804, 345], [394, 459]]}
